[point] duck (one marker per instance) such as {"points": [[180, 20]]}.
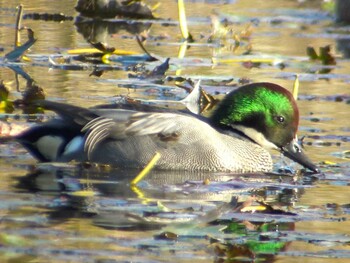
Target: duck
{"points": [[237, 137]]}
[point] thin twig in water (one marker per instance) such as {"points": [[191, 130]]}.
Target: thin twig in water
{"points": [[18, 36], [18, 26], [139, 41]]}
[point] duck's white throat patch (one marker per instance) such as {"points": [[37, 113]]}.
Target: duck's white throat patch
{"points": [[256, 136]]}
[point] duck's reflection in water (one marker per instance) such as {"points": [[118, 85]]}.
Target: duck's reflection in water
{"points": [[162, 197]]}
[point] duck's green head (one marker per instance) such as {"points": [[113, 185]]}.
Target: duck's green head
{"points": [[267, 114]]}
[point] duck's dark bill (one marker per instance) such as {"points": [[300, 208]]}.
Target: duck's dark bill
{"points": [[296, 153]]}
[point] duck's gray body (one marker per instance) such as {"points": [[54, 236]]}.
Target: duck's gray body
{"points": [[248, 121], [184, 143], [126, 138]]}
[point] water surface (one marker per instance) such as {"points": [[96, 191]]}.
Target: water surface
{"points": [[76, 213]]}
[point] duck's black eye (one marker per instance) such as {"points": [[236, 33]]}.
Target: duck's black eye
{"points": [[280, 119]]}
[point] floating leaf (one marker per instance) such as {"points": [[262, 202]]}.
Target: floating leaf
{"points": [[324, 56], [311, 52], [161, 69], [83, 193], [6, 105], [166, 236]]}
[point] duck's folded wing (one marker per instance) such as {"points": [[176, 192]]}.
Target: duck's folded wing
{"points": [[138, 124], [155, 123]]}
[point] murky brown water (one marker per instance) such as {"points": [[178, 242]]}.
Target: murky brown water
{"points": [[46, 217]]}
